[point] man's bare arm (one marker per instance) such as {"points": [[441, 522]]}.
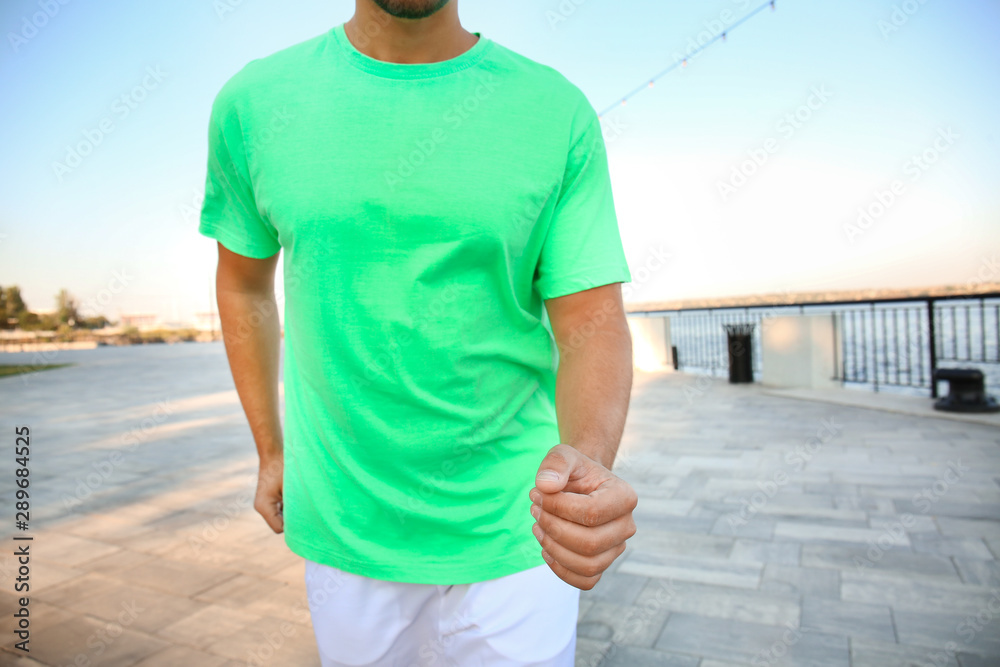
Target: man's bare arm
{"points": [[594, 380], [583, 511], [248, 313]]}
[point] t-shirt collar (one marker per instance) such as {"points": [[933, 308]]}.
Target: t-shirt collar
{"points": [[409, 70]]}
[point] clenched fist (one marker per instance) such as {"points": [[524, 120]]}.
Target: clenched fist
{"points": [[583, 515]]}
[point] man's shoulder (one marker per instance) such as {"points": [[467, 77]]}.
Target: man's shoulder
{"points": [[270, 73], [538, 77]]}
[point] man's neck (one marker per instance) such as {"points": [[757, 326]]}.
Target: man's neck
{"points": [[384, 37]]}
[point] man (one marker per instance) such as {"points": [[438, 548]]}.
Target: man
{"points": [[445, 210]]}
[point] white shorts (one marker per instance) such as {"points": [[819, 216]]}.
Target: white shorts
{"points": [[524, 619]]}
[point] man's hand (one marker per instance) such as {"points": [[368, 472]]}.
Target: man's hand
{"points": [[583, 515], [269, 492]]}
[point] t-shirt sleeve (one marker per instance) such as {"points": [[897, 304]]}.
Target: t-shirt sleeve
{"points": [[583, 247], [229, 212]]}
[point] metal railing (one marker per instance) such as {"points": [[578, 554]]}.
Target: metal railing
{"points": [[879, 343], [887, 345]]}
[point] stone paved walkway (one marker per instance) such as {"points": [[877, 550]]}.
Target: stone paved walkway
{"points": [[772, 531]]}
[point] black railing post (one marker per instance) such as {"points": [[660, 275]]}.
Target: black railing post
{"points": [[920, 346], [982, 327], [854, 344], [839, 361], [932, 346], [875, 345]]}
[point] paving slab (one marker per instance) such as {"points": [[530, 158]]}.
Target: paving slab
{"points": [[791, 580], [619, 587], [207, 626], [911, 594], [743, 643], [759, 551], [892, 562], [853, 619], [181, 656], [951, 633], [590, 652], [965, 548], [874, 653], [979, 572], [725, 602], [632, 656], [624, 625], [710, 571]]}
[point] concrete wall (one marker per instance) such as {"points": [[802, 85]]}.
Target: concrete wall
{"points": [[651, 343], [799, 351]]}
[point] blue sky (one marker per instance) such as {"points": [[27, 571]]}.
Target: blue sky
{"points": [[123, 223]]}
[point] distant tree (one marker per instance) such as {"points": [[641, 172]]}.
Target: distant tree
{"points": [[98, 322], [15, 304], [66, 308], [29, 321], [64, 332], [12, 308]]}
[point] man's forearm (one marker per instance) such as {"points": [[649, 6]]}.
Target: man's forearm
{"points": [[593, 387], [251, 331]]}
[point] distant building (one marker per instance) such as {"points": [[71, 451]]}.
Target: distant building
{"points": [[139, 320]]}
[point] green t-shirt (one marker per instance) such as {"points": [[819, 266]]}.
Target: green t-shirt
{"points": [[425, 212]]}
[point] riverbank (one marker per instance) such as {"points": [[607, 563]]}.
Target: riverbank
{"points": [[47, 341]]}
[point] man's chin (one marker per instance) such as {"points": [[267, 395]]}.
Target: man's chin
{"points": [[410, 9]]}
